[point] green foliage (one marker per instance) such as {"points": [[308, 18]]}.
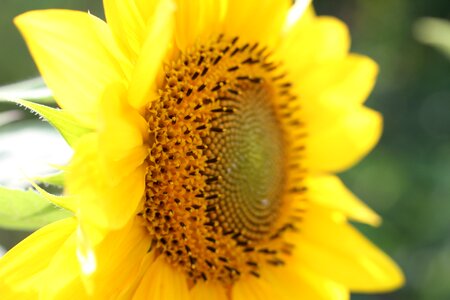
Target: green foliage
{"points": [[31, 89], [53, 179], [406, 179], [434, 32], [27, 210], [61, 120]]}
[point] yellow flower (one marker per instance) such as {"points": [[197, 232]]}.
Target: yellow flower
{"points": [[215, 128]]}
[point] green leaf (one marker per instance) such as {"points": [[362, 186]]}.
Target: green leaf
{"points": [[53, 179], [27, 210], [434, 32], [60, 119], [31, 89]]}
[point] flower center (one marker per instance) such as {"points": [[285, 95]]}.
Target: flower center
{"points": [[216, 184]]}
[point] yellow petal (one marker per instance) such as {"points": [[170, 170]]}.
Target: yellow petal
{"points": [[127, 24], [154, 48], [63, 272], [22, 269], [332, 248], [341, 83], [72, 290], [256, 20], [103, 171], [330, 192], [121, 263], [117, 203], [76, 54], [295, 283], [197, 20], [337, 140], [120, 122], [106, 199], [131, 21], [286, 284], [322, 40], [301, 12], [250, 287], [321, 287], [162, 281], [119, 259], [208, 291]]}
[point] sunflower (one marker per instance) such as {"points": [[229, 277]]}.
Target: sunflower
{"points": [[211, 134]]}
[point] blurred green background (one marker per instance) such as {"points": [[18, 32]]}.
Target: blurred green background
{"points": [[406, 178]]}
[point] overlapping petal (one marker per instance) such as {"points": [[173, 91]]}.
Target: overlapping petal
{"points": [[198, 20], [256, 20], [162, 281], [337, 84], [338, 139], [105, 74], [107, 204], [330, 192], [309, 44], [122, 132], [77, 56], [253, 288], [148, 65], [208, 291], [321, 287], [288, 283], [107, 172], [63, 271], [297, 283], [127, 24], [332, 248], [32, 257], [122, 259]]}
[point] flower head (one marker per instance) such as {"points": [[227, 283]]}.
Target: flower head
{"points": [[206, 170]]}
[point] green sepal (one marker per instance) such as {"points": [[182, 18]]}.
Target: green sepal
{"points": [[64, 122], [53, 179], [31, 89], [27, 210], [434, 32]]}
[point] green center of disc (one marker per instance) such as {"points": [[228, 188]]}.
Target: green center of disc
{"points": [[251, 163]]}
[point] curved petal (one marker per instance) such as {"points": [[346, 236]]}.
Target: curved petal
{"points": [[63, 273], [77, 56], [208, 291], [321, 287], [337, 140], [259, 21], [338, 84], [198, 20], [301, 12], [153, 51], [109, 176], [162, 281], [74, 289], [287, 283], [120, 122], [329, 191], [23, 272], [332, 248], [121, 261], [108, 200], [127, 24], [249, 287], [296, 283], [319, 41]]}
